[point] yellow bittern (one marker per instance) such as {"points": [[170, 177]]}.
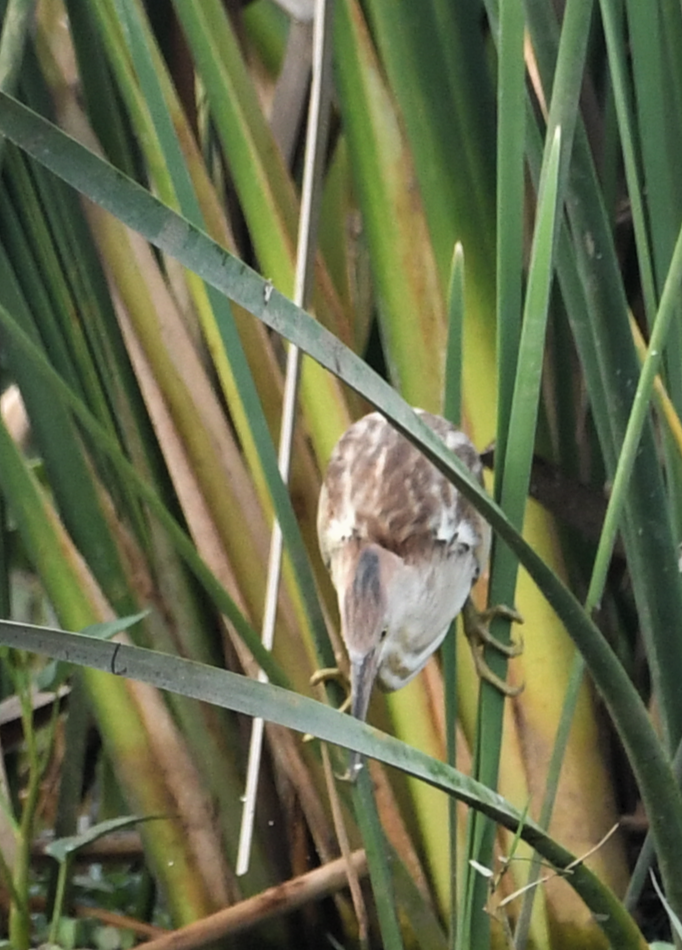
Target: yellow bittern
{"points": [[404, 548]]}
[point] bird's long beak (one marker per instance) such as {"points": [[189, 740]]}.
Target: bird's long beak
{"points": [[363, 671]]}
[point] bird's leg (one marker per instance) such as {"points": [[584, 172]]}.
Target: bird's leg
{"points": [[477, 630], [325, 675], [340, 676], [337, 674]]}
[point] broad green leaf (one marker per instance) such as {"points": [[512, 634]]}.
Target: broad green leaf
{"points": [[54, 674], [252, 698]]}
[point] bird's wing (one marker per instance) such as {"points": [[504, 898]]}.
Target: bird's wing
{"points": [[379, 488]]}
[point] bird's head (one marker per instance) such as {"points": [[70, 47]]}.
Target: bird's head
{"points": [[365, 618]]}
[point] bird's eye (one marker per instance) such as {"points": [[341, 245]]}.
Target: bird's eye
{"points": [[383, 635]]}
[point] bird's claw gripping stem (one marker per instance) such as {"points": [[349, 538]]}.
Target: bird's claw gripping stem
{"points": [[338, 675], [323, 676], [477, 630]]}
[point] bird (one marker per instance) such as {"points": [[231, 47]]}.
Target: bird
{"points": [[404, 548]]}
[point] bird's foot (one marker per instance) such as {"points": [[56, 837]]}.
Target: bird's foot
{"points": [[324, 676], [334, 673], [477, 631], [355, 764]]}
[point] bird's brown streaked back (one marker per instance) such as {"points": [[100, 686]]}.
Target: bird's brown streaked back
{"points": [[380, 489]]}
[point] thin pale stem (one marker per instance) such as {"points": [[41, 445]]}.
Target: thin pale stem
{"points": [[318, 120]]}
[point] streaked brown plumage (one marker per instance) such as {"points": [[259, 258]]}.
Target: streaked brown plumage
{"points": [[403, 547]]}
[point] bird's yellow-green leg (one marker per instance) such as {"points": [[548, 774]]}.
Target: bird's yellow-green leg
{"points": [[337, 674], [477, 630]]}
